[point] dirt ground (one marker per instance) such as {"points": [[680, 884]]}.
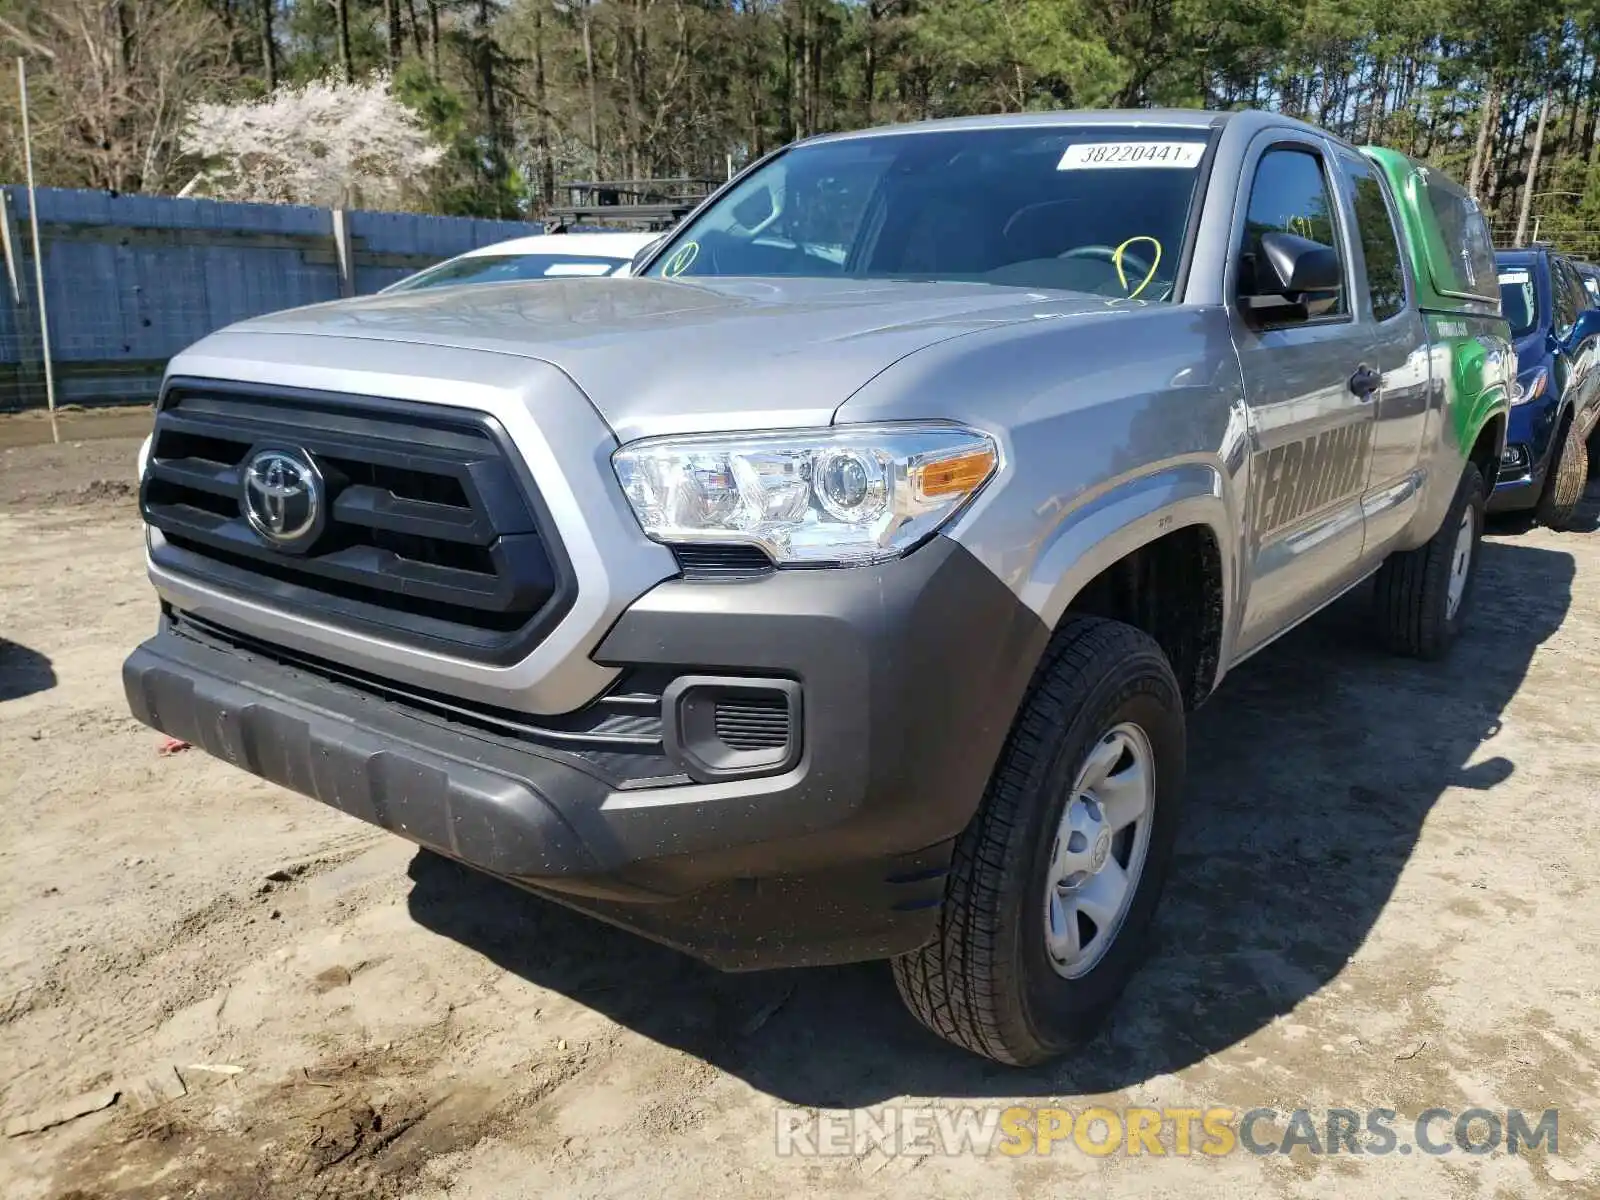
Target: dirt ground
{"points": [[1385, 896]]}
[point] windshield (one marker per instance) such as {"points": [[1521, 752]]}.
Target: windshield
{"points": [[1100, 209], [499, 268], [1517, 300]]}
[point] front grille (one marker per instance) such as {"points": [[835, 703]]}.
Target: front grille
{"points": [[433, 536], [722, 561], [753, 722], [616, 737]]}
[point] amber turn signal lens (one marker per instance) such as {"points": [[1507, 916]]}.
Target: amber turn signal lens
{"points": [[954, 476]]}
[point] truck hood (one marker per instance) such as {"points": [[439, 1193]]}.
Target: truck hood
{"points": [[657, 356]]}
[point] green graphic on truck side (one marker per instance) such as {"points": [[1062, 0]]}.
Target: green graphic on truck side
{"points": [[1448, 245]]}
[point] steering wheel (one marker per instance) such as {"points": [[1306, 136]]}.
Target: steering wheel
{"points": [[1133, 267]]}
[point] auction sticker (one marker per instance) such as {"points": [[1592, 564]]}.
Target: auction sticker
{"points": [[1101, 156]]}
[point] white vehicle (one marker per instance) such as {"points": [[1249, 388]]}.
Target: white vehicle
{"points": [[544, 256]]}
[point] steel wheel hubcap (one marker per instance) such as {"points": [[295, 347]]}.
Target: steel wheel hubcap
{"points": [[1099, 850], [1460, 562]]}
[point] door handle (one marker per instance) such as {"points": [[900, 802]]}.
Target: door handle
{"points": [[1365, 382]]}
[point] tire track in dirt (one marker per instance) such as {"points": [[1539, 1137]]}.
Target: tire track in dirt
{"points": [[362, 1124], [106, 994]]}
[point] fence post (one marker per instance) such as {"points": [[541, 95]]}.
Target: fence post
{"points": [[38, 253], [342, 253], [28, 373]]}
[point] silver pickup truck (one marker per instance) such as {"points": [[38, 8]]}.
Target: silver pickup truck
{"points": [[836, 587]]}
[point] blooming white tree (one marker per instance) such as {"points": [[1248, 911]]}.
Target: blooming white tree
{"points": [[324, 143]]}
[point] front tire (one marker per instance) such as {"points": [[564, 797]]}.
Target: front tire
{"points": [[1055, 882], [1423, 595], [1568, 476]]}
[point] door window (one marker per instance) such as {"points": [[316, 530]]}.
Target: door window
{"points": [[1580, 294], [1591, 287], [1380, 246], [1567, 294], [1290, 195]]}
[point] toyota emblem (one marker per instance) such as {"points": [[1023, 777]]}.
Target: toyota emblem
{"points": [[283, 496]]}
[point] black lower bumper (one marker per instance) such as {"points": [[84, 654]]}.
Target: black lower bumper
{"points": [[909, 673], [1517, 495]]}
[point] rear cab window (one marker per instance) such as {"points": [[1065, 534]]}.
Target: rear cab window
{"points": [[1380, 242]]}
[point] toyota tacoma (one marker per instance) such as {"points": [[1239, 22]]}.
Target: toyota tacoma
{"points": [[836, 587]]}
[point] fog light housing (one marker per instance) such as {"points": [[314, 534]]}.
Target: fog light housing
{"points": [[1514, 461], [729, 727]]}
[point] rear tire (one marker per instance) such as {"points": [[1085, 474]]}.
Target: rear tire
{"points": [[1569, 474], [1009, 976], [1423, 595]]}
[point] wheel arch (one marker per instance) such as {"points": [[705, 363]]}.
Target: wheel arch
{"points": [[1155, 552], [1488, 444]]}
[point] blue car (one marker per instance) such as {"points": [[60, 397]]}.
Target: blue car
{"points": [[1556, 327]]}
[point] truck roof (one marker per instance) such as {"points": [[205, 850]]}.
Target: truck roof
{"points": [[1157, 118]]}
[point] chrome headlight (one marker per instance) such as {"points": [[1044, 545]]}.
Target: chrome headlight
{"points": [[1531, 386], [829, 497]]}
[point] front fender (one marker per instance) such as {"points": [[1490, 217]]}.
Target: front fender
{"points": [[1534, 424], [1123, 518], [1474, 370]]}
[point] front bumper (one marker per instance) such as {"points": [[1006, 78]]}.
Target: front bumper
{"points": [[908, 672]]}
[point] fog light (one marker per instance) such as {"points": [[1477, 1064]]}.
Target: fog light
{"points": [[1514, 460]]}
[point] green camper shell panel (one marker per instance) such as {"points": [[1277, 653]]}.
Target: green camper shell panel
{"points": [[1447, 237], [1458, 289]]}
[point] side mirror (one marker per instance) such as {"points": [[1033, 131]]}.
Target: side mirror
{"points": [[1587, 326], [1291, 278]]}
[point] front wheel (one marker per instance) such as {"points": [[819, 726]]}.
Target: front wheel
{"points": [[1055, 882], [1423, 595], [1569, 473]]}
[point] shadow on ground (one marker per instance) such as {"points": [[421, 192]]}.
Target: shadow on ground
{"points": [[1312, 771], [1585, 520], [23, 671]]}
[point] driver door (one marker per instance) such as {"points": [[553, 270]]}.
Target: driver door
{"points": [[1309, 395], [1580, 354]]}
